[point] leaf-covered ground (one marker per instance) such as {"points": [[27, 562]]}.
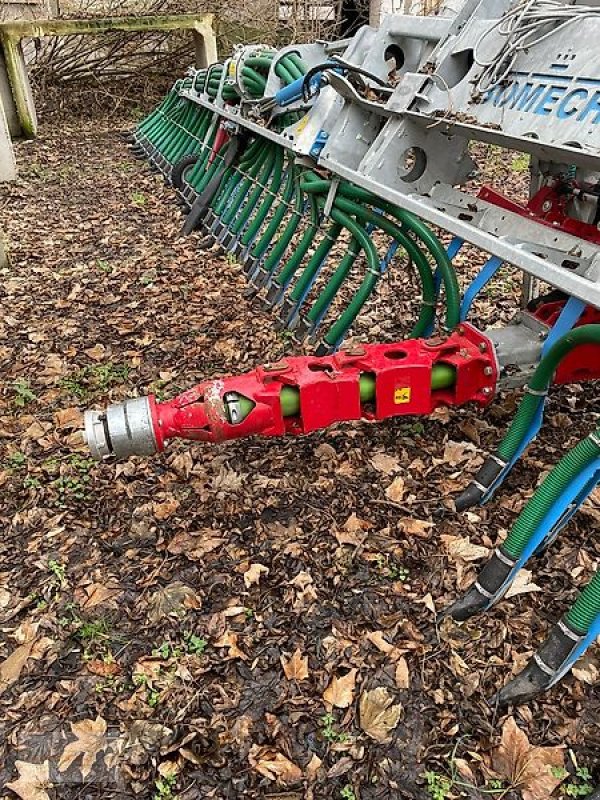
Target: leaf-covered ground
{"points": [[253, 619]]}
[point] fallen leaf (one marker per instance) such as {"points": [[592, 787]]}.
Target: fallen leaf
{"points": [[522, 584], [168, 769], [194, 546], [465, 770], [428, 602], [171, 600], [166, 509], [395, 491], [528, 768], [11, 667], [402, 675], [415, 527], [461, 548], [381, 643], [68, 418], [385, 464], [96, 353], [272, 764], [98, 666], [587, 669], [340, 692], [355, 524], [89, 742], [313, 767], [32, 782], [296, 667], [341, 767], [98, 593], [457, 452], [378, 714], [229, 640], [253, 574]]}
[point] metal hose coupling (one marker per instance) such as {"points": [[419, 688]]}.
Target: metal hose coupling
{"points": [[123, 429]]}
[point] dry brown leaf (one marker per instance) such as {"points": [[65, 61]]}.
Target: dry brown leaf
{"points": [[522, 584], [402, 674], [96, 353], [171, 600], [98, 666], [395, 491], [378, 714], [381, 643], [89, 742], [415, 527], [428, 602], [313, 767], [194, 546], [457, 452], [465, 771], [11, 667], [340, 692], [355, 524], [461, 548], [32, 782], [296, 667], [385, 464], [37, 429], [525, 766], [587, 669], [68, 418], [349, 537], [272, 764], [229, 640], [165, 509], [253, 574], [98, 593]]}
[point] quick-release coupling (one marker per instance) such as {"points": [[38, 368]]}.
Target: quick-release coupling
{"points": [[123, 429]]}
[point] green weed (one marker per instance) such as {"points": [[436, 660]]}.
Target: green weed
{"points": [[22, 393]]}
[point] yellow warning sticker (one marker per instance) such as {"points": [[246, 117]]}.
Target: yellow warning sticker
{"points": [[231, 69], [302, 124], [402, 395]]}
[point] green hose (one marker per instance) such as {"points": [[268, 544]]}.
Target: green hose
{"points": [[539, 382], [289, 268], [315, 262], [427, 283], [262, 244], [419, 229], [271, 192], [553, 485], [587, 606]]}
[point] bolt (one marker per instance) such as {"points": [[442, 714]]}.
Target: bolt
{"points": [[487, 390], [482, 347], [546, 205], [461, 330], [488, 371]]}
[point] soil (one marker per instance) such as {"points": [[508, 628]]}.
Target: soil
{"points": [[153, 655]]}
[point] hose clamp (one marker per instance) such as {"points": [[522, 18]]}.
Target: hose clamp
{"points": [[595, 438], [537, 392]]}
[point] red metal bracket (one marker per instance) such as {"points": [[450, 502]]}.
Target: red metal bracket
{"points": [[583, 363], [329, 389], [547, 207]]}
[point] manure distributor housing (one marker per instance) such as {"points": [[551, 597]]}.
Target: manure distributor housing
{"points": [[320, 167]]}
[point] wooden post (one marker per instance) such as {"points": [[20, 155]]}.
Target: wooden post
{"points": [[205, 45], [16, 69], [19, 107], [8, 165]]}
